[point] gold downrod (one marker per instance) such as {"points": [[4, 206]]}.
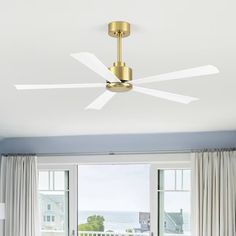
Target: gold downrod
{"points": [[119, 48], [119, 30]]}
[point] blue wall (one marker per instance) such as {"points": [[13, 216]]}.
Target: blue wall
{"points": [[119, 143]]}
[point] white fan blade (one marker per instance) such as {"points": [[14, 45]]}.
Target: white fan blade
{"points": [[93, 63], [56, 86], [193, 72], [165, 95], [101, 101]]}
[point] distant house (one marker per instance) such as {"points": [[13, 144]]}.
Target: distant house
{"points": [[52, 208], [144, 221], [173, 222]]}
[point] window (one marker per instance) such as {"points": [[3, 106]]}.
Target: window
{"points": [[174, 202], [54, 195], [130, 199]]}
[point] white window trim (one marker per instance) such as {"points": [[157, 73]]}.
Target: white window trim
{"points": [[72, 191]]}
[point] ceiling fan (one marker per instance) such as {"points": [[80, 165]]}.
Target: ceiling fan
{"points": [[118, 78]]}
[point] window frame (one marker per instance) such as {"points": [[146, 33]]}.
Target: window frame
{"points": [[154, 193], [72, 169]]}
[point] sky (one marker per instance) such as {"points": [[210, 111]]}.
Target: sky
{"points": [[113, 188]]}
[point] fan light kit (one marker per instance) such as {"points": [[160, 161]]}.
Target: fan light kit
{"points": [[119, 77]]}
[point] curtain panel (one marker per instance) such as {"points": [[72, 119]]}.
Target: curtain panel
{"points": [[19, 191], [2, 190], [214, 193]]}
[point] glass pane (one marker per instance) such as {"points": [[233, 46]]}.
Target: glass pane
{"points": [[175, 213], [43, 180], [53, 213], [179, 179], [59, 180], [167, 180], [113, 198], [186, 179]]}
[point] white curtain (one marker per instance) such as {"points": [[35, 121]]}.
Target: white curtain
{"points": [[214, 193], [19, 191], [2, 191]]}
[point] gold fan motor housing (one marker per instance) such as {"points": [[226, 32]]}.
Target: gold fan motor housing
{"points": [[123, 73], [119, 30]]}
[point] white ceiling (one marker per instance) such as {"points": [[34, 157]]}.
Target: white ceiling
{"points": [[38, 36]]}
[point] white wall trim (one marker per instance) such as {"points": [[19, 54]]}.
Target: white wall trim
{"points": [[117, 159]]}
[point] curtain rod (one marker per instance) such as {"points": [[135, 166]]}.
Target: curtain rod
{"points": [[118, 153]]}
